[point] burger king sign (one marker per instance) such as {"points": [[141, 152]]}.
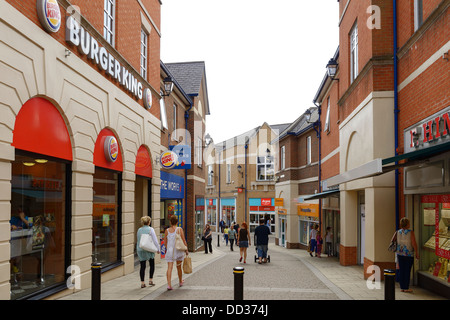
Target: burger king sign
{"points": [[168, 159], [49, 14]]}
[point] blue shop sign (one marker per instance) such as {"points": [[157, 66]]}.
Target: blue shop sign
{"points": [[172, 186], [184, 156]]}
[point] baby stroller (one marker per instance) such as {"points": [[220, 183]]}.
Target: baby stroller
{"points": [[256, 255]]}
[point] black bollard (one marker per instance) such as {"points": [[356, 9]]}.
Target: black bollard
{"points": [[238, 283], [96, 273], [218, 240], [389, 284]]}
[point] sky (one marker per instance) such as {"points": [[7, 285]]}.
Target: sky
{"points": [[265, 59]]}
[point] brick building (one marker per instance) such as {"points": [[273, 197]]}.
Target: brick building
{"points": [[184, 129], [240, 181], [81, 131], [297, 177], [393, 109]]}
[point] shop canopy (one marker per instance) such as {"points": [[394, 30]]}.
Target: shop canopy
{"points": [[379, 166], [324, 194]]}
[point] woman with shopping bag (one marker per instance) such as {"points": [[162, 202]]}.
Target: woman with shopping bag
{"points": [[144, 249], [176, 250]]}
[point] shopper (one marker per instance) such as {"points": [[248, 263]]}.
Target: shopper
{"points": [[243, 241], [312, 240], [406, 248], [207, 238], [143, 255], [262, 241], [231, 236], [225, 234], [319, 243], [172, 254], [329, 241]]}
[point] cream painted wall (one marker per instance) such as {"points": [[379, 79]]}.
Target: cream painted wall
{"points": [[32, 63], [367, 134]]}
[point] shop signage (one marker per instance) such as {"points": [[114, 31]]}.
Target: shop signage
{"points": [[147, 98], [88, 46], [431, 131], [49, 14], [308, 209], [279, 202], [266, 201], [111, 148], [168, 159], [172, 186], [183, 153]]}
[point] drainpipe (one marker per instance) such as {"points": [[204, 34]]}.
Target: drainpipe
{"points": [[186, 117], [319, 136], [396, 111]]}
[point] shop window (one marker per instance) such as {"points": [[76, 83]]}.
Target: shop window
{"points": [[106, 217], [435, 235], [40, 234]]}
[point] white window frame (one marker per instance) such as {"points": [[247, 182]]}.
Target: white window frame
{"points": [[162, 108], [109, 9], [267, 165], [144, 53], [199, 152], [354, 53], [210, 175], [308, 150], [326, 127], [418, 14], [228, 173], [175, 118], [283, 158]]}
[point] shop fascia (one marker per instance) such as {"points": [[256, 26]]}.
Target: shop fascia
{"points": [[436, 127], [88, 46]]}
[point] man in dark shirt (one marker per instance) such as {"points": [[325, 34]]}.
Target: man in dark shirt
{"points": [[262, 240]]}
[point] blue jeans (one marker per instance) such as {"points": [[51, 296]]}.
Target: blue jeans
{"points": [[313, 245], [405, 263], [262, 250]]}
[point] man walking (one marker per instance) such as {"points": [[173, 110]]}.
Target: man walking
{"points": [[262, 240]]}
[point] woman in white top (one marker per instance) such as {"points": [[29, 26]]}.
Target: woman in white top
{"points": [[172, 254]]}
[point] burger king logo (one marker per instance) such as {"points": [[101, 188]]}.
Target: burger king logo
{"points": [[168, 159], [111, 148], [147, 98], [49, 14]]}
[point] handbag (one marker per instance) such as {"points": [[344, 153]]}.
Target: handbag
{"points": [[179, 244], [187, 265], [393, 245], [146, 243]]}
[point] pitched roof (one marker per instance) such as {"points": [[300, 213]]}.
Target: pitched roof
{"points": [[188, 74]]}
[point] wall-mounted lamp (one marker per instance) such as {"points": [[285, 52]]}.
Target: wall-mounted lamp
{"points": [[239, 169], [168, 86], [332, 69]]}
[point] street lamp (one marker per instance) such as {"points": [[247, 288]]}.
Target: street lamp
{"points": [[332, 68], [168, 86]]}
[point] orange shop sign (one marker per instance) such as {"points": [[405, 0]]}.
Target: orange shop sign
{"points": [[308, 209]]}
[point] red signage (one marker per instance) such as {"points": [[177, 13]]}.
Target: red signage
{"points": [[266, 201]]}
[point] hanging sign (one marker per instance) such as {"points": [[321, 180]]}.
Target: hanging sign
{"points": [[183, 153], [168, 159]]}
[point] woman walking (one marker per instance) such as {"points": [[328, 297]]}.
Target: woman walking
{"points": [[406, 247], [207, 238], [143, 255], [172, 254], [243, 240]]}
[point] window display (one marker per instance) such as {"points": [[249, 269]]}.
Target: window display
{"points": [[435, 235], [38, 223], [105, 216]]}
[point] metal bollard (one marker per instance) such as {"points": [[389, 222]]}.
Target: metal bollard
{"points": [[218, 240], [238, 283], [389, 284], [96, 271]]}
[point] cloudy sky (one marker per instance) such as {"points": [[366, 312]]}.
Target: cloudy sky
{"points": [[265, 59]]}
